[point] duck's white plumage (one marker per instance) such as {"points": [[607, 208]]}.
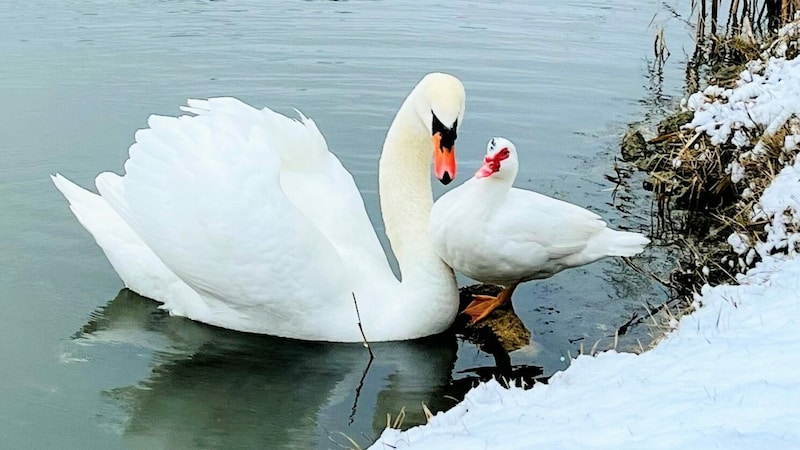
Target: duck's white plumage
{"points": [[242, 218], [498, 234]]}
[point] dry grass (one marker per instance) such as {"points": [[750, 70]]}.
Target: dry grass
{"points": [[349, 445], [700, 206], [395, 422], [399, 419]]}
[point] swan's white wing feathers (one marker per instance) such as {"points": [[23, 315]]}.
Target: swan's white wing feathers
{"points": [[338, 212], [315, 182], [203, 193]]}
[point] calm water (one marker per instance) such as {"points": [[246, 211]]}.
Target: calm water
{"points": [[86, 366]]}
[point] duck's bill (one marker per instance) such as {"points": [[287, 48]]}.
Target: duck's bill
{"points": [[444, 160], [487, 169]]}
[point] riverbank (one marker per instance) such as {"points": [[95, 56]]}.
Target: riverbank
{"points": [[725, 377]]}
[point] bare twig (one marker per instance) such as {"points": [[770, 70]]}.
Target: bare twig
{"points": [[360, 328]]}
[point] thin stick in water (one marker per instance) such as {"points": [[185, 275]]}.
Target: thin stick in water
{"points": [[360, 328]]}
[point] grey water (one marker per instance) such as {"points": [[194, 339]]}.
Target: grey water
{"points": [[84, 364]]}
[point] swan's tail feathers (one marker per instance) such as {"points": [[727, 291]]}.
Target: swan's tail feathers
{"points": [[135, 263], [616, 243], [111, 231], [112, 234], [87, 206]]}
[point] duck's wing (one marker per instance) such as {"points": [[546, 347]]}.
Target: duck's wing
{"points": [[545, 224]]}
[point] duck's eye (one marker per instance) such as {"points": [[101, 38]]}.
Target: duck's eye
{"points": [[504, 153]]}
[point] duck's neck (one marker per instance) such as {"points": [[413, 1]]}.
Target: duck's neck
{"points": [[406, 201], [495, 188]]}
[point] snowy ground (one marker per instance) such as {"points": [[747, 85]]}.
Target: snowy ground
{"points": [[728, 376]]}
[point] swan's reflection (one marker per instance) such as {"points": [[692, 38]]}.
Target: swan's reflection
{"points": [[209, 387]]}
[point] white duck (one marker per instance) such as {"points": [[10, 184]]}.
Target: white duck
{"points": [[242, 218], [497, 234]]}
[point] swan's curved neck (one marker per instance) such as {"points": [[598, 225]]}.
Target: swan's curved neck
{"points": [[406, 201]]}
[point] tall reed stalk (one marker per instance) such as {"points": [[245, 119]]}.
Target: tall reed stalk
{"points": [[762, 16]]}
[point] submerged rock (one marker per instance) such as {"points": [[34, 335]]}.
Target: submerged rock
{"points": [[673, 123], [634, 146], [502, 331]]}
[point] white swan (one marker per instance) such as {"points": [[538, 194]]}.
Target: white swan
{"points": [[497, 234], [242, 218]]}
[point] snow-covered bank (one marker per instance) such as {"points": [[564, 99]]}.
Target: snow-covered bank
{"points": [[727, 377]]}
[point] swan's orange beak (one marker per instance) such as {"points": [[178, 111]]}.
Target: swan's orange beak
{"points": [[444, 159]]}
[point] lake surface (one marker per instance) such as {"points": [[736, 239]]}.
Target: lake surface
{"points": [[85, 365]]}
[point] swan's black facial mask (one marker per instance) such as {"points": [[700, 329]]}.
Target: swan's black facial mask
{"points": [[444, 150]]}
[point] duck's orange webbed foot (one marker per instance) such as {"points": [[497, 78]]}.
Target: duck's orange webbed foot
{"points": [[481, 306]]}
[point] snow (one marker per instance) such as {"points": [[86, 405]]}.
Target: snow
{"points": [[728, 376], [764, 96]]}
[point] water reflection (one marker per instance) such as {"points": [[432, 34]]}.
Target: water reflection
{"points": [[209, 387]]}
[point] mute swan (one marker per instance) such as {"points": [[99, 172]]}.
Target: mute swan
{"points": [[242, 218], [497, 234]]}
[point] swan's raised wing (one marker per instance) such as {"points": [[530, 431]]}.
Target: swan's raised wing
{"points": [[315, 181], [204, 192]]}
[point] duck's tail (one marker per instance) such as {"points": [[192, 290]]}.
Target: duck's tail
{"points": [[615, 243]]}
